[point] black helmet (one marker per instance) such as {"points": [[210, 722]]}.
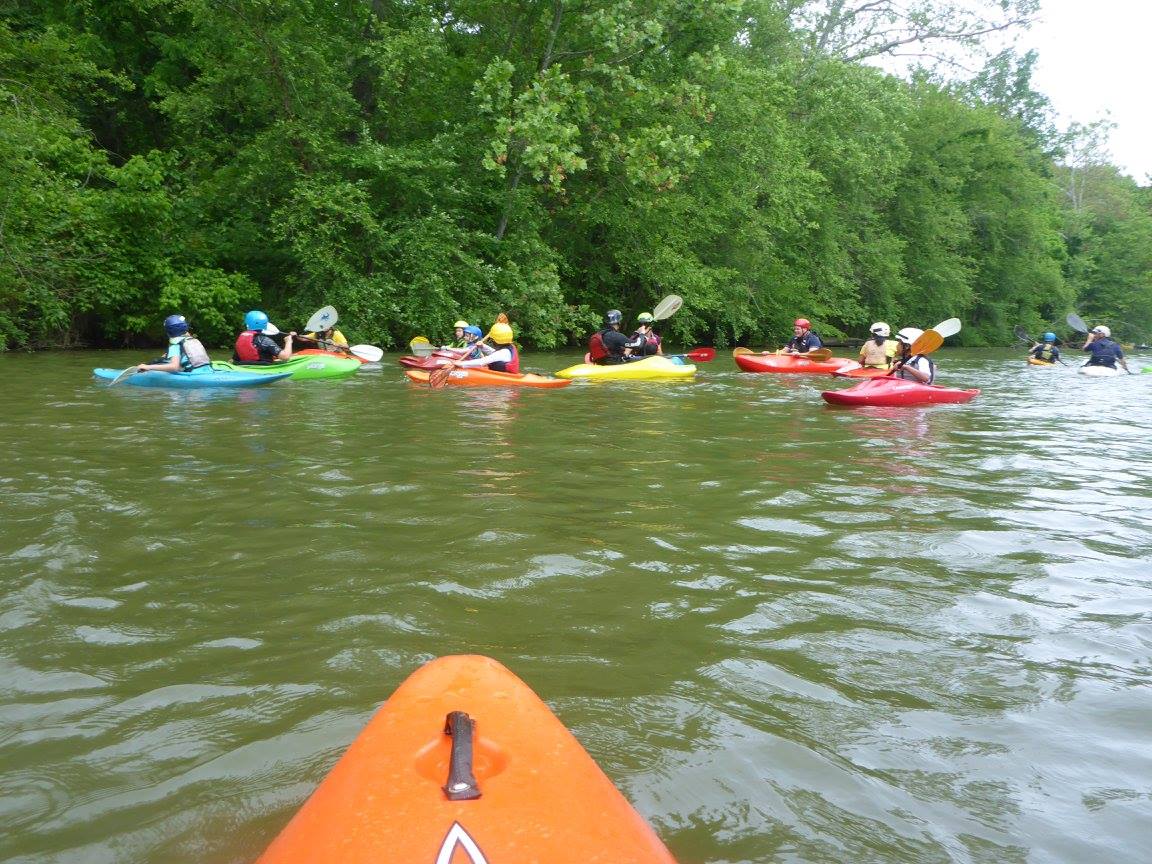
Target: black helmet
{"points": [[613, 316]]}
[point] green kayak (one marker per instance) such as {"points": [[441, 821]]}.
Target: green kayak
{"points": [[308, 367]]}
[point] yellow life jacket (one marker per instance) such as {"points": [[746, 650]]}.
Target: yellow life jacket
{"points": [[874, 355]]}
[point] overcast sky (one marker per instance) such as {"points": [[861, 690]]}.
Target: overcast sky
{"points": [[1095, 57]]}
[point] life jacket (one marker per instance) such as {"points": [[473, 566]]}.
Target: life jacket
{"points": [[909, 377], [192, 354], [245, 350], [648, 343], [1108, 356], [596, 349], [1045, 352], [874, 354], [512, 365]]}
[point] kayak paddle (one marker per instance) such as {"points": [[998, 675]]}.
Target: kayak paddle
{"points": [[699, 355], [437, 378], [667, 307], [1076, 323], [929, 341], [1022, 335], [127, 373], [321, 320], [421, 347], [367, 353]]}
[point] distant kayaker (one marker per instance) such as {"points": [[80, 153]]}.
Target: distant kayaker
{"points": [[330, 339], [608, 345], [256, 345], [1045, 350], [185, 352], [1104, 351], [645, 339], [803, 338], [458, 333], [504, 359], [877, 352], [908, 366]]}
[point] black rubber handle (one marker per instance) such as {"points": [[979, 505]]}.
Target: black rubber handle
{"points": [[461, 785]]}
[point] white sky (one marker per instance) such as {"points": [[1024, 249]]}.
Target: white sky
{"points": [[1096, 59]]}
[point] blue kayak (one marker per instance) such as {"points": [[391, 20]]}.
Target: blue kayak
{"points": [[190, 380]]}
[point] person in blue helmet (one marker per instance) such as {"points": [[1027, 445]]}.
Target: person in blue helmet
{"points": [[1045, 351], [256, 345], [1104, 351], [472, 335], [185, 351]]}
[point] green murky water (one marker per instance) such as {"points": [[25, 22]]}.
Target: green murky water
{"points": [[788, 632]]}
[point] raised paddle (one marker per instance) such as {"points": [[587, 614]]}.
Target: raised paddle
{"points": [[1076, 323], [928, 341], [321, 320], [667, 307], [1023, 336]]}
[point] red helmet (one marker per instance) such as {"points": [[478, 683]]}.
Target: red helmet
{"points": [[802, 322]]}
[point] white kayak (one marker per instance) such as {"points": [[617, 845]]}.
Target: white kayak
{"points": [[1101, 371]]}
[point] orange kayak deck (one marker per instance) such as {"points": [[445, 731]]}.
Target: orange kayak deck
{"points": [[488, 378], [541, 796]]}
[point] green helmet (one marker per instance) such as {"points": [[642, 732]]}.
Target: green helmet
{"points": [[645, 318]]}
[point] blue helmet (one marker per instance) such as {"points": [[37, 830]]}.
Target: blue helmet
{"points": [[474, 331], [175, 325], [255, 320], [1049, 337], [613, 316]]}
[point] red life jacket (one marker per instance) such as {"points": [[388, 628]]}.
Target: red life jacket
{"points": [[596, 349], [245, 351], [512, 365]]}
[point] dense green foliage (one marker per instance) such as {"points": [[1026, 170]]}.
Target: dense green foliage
{"points": [[415, 163]]}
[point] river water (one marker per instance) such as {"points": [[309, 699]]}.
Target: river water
{"points": [[788, 632]]}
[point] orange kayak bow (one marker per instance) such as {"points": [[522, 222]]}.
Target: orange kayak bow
{"points": [[477, 377], [464, 764]]}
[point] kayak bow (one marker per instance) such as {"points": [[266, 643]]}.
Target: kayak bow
{"points": [[896, 392]]}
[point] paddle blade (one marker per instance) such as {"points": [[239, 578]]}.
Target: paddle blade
{"points": [[702, 355], [1022, 334], [948, 328], [667, 307], [367, 353], [437, 378], [927, 343], [127, 373], [321, 320], [421, 347], [818, 354], [1076, 323], [738, 351]]}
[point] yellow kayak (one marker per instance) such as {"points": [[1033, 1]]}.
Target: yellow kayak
{"points": [[655, 368], [1032, 361]]}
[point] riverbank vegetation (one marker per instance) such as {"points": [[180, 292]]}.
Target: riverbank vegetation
{"points": [[412, 163]]}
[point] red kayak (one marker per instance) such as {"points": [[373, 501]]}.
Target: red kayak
{"points": [[787, 363], [896, 392], [862, 372], [433, 362]]}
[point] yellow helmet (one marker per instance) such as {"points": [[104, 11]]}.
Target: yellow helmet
{"points": [[501, 333], [459, 325]]}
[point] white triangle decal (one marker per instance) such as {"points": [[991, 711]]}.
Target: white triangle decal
{"points": [[457, 836]]}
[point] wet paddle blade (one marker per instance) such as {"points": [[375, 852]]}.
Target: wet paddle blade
{"points": [[1076, 323], [127, 373], [367, 353], [948, 328], [437, 378], [702, 355], [667, 307], [321, 320], [928, 342], [1022, 334]]}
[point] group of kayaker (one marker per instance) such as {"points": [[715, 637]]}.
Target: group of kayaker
{"points": [[879, 352], [1103, 350], [609, 346]]}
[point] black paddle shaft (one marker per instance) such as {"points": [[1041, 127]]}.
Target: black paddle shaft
{"points": [[461, 785]]}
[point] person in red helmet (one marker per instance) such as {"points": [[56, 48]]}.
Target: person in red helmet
{"points": [[803, 338]]}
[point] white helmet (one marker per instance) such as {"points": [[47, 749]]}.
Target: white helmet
{"points": [[880, 329], [909, 335], [1102, 330]]}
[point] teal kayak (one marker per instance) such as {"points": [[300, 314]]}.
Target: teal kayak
{"points": [[306, 367], [190, 380]]}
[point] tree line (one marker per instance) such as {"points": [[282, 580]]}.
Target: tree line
{"points": [[416, 162]]}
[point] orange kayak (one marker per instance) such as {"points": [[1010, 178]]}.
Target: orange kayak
{"points": [[464, 764], [487, 378]]}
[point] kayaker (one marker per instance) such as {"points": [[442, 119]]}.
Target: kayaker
{"points": [[331, 336], [185, 352], [1104, 351], [877, 352], [504, 359], [608, 345], [458, 333], [644, 338], [1045, 350], [472, 335], [803, 338], [908, 366], [256, 345]]}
